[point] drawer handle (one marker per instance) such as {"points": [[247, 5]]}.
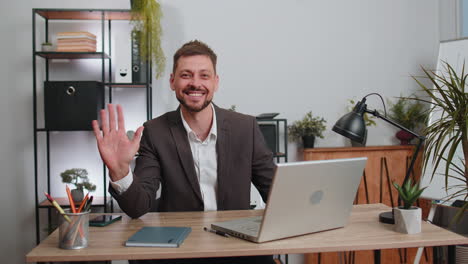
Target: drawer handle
{"points": [[71, 90]]}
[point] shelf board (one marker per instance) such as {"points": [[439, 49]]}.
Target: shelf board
{"points": [[279, 154], [85, 14], [63, 202], [128, 85], [271, 120], [71, 55]]}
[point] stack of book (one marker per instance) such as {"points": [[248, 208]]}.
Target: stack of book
{"points": [[76, 42]]}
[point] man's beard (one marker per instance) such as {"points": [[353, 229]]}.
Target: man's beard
{"points": [[192, 108]]}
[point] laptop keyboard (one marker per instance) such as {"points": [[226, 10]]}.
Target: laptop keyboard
{"points": [[251, 227]]}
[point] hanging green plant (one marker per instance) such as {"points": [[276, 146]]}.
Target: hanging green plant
{"points": [[146, 18]]}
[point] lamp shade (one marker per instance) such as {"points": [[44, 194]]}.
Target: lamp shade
{"points": [[352, 126]]}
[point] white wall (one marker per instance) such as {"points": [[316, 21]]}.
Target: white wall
{"points": [[274, 56], [450, 19]]}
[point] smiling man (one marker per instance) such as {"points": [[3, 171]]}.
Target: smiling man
{"points": [[204, 157]]}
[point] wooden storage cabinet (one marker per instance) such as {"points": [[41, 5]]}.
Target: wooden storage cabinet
{"points": [[385, 164]]}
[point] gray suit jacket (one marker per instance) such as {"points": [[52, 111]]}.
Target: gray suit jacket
{"points": [[165, 157]]}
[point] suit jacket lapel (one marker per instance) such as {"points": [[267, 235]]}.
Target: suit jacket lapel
{"points": [[223, 145], [183, 149]]}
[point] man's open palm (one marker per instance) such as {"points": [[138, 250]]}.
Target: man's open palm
{"points": [[116, 150]]}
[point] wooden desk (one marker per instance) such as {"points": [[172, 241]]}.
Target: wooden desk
{"points": [[385, 164], [364, 232]]}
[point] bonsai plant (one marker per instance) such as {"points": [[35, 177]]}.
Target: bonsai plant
{"points": [[78, 177], [408, 113], [445, 135], [408, 217], [307, 129], [146, 17]]}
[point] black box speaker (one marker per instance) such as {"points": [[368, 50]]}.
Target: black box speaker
{"points": [[138, 65], [269, 133], [72, 105]]}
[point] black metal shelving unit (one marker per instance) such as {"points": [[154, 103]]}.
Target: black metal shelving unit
{"points": [[281, 152], [105, 16]]}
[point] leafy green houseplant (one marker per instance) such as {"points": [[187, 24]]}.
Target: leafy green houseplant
{"points": [[307, 129], [146, 17], [410, 114], [79, 178], [408, 217], [449, 99]]}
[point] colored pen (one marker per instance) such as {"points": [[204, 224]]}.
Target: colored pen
{"points": [[219, 233], [83, 202], [70, 199], [88, 204], [57, 206]]}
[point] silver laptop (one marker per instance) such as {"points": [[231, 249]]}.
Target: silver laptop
{"points": [[305, 197]]}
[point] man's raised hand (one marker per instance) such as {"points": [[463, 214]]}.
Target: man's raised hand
{"points": [[116, 150]]}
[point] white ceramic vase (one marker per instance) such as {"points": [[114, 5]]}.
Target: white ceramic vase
{"points": [[408, 221]]}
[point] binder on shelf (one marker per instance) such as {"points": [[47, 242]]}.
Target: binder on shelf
{"points": [[138, 65], [158, 236]]}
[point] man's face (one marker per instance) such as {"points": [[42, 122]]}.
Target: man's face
{"points": [[194, 82]]}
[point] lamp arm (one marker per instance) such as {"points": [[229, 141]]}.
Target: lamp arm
{"points": [[377, 114], [413, 159], [416, 150]]}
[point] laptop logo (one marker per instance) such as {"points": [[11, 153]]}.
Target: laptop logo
{"points": [[316, 197]]}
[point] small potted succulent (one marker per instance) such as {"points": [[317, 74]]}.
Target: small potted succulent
{"points": [[78, 177], [47, 46], [307, 129], [408, 217]]}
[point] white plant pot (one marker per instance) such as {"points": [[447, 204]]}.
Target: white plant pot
{"points": [[47, 48], [408, 221]]}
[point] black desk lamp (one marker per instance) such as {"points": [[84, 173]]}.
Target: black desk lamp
{"points": [[352, 126]]}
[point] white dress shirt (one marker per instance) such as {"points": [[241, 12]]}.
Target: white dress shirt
{"points": [[205, 160]]}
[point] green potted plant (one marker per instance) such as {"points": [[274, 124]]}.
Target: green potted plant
{"points": [[47, 46], [79, 178], [448, 97], [146, 18], [307, 129], [410, 114], [408, 217], [368, 119]]}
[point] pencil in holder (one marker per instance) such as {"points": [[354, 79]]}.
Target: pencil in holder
{"points": [[73, 232]]}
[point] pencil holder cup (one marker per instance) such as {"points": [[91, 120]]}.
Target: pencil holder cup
{"points": [[73, 230]]}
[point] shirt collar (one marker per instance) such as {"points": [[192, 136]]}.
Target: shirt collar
{"points": [[191, 134]]}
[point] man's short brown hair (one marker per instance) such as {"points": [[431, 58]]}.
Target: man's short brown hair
{"points": [[192, 48]]}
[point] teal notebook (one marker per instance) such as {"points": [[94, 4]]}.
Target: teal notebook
{"points": [[158, 236]]}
